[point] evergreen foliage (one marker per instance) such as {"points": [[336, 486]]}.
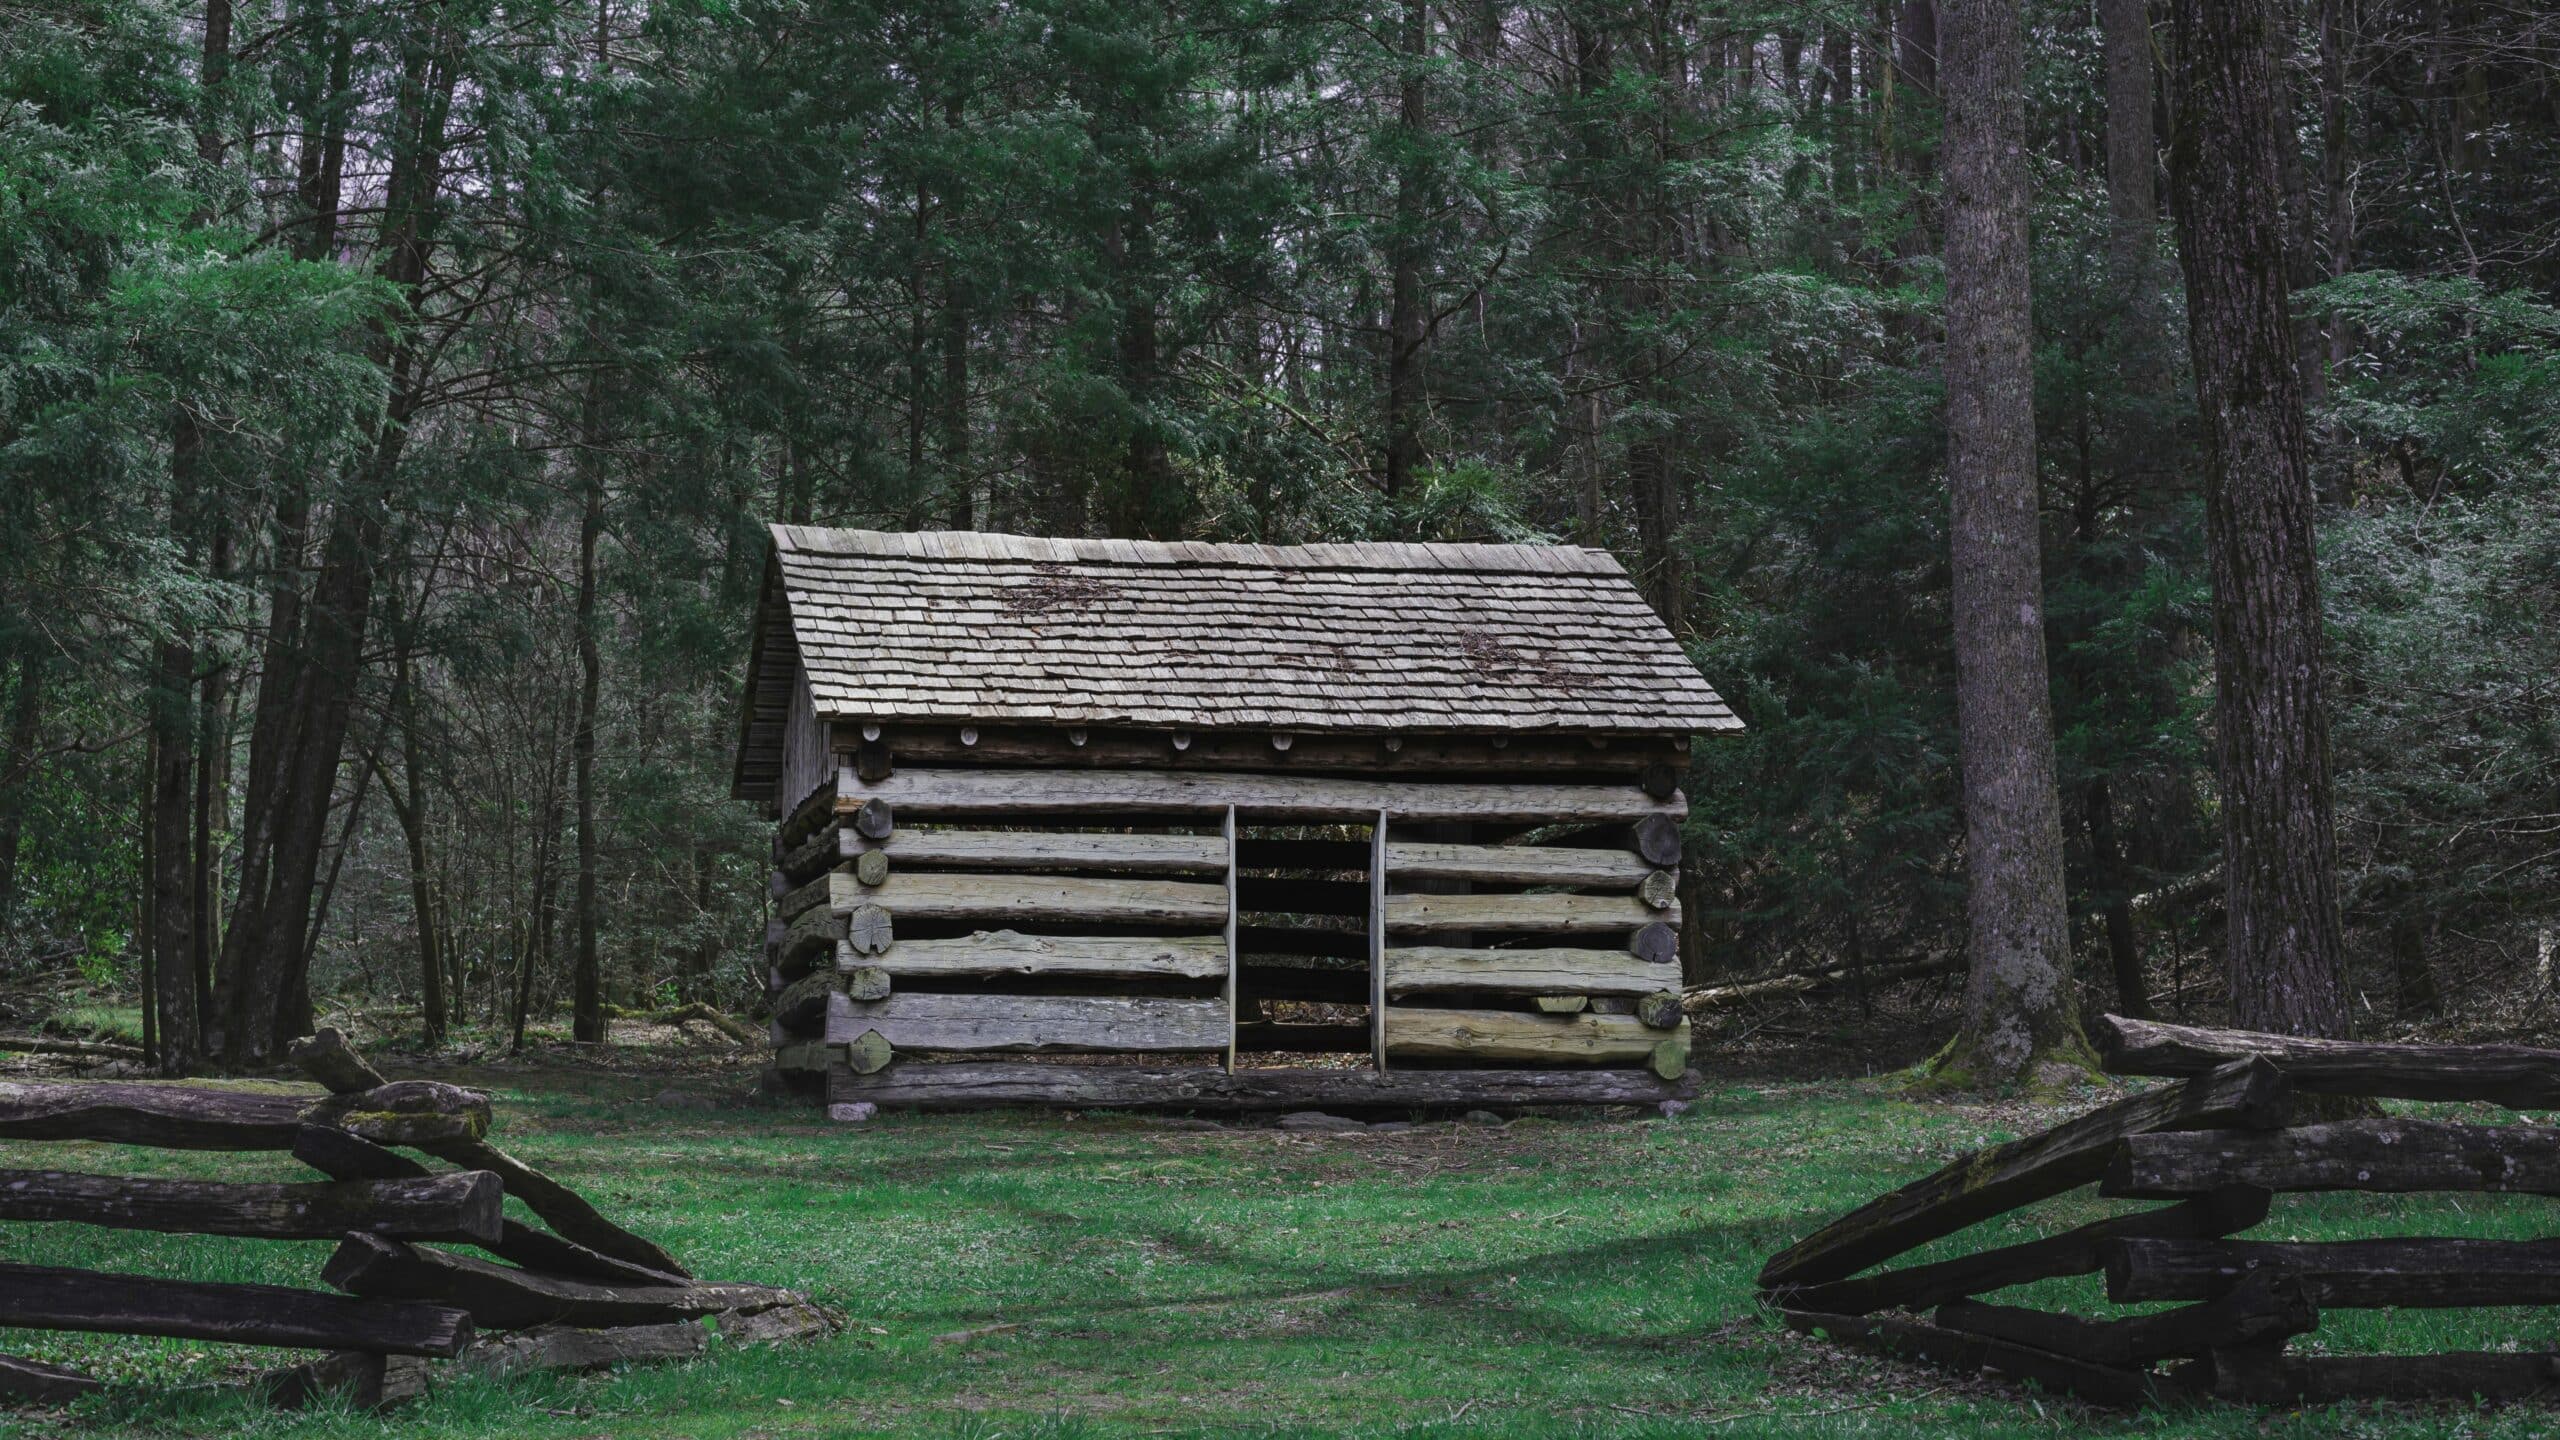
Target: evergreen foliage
{"points": [[430, 295]]}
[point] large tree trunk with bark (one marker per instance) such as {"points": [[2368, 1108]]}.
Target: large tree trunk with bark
{"points": [[409, 806], [2133, 227], [2018, 1004], [2271, 730], [307, 698], [1148, 501], [18, 766], [587, 1002], [959, 484], [172, 905], [1405, 323]]}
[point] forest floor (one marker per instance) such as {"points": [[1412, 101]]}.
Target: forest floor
{"points": [[1020, 1275]]}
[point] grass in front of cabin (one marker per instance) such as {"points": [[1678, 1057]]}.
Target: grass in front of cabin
{"points": [[1021, 1275]]}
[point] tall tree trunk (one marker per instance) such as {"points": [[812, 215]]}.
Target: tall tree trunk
{"points": [[959, 484], [918, 385], [2282, 937], [2018, 1010], [2133, 229], [172, 903], [409, 806], [2335, 41], [1655, 247], [2115, 906], [706, 951], [146, 929], [588, 986], [1841, 111], [176, 899], [1147, 505], [1405, 322], [275, 717], [212, 798], [2413, 979], [1916, 61], [266, 948], [18, 768]]}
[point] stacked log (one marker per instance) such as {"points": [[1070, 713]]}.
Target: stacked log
{"points": [[1562, 954], [1069, 913], [582, 1293], [2218, 1143]]}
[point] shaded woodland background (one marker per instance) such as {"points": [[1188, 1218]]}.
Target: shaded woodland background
{"points": [[392, 396]]}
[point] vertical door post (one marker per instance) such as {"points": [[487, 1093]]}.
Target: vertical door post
{"points": [[1234, 962], [1378, 943]]}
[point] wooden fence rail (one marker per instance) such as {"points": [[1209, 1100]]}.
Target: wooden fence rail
{"points": [[582, 1294], [2217, 1141]]}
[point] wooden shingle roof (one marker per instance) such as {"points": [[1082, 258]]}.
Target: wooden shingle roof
{"points": [[967, 627]]}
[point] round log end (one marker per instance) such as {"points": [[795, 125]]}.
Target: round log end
{"points": [[867, 929], [1661, 1010], [871, 867], [1670, 1058], [1656, 943], [1659, 890], [868, 1053], [1657, 839], [874, 820]]}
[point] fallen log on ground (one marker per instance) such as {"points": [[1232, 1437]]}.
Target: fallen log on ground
{"points": [[2265, 1306], [499, 1298], [77, 1049], [699, 1013], [42, 1297], [2520, 1077], [464, 1205], [569, 1349], [2345, 1274], [1964, 1355], [2383, 1156], [2249, 1094], [33, 1382], [2079, 1251], [1715, 997], [792, 1320]]}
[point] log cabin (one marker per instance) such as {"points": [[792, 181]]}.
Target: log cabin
{"points": [[1219, 826]]}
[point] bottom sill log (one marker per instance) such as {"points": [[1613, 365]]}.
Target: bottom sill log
{"points": [[981, 1084]]}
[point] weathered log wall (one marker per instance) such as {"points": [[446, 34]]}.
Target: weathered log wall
{"points": [[953, 909]]}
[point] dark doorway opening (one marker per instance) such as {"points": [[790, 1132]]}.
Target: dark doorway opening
{"points": [[1302, 946]]}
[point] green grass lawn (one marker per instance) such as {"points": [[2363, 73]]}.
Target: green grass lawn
{"points": [[1020, 1275]]}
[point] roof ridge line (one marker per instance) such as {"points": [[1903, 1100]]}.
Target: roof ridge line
{"points": [[993, 547]]}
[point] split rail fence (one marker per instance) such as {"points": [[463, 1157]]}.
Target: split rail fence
{"points": [[584, 1293], [2218, 1146]]}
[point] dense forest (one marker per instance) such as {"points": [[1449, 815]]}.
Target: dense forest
{"points": [[393, 396]]}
